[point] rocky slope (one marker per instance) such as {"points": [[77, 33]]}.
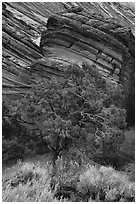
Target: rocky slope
{"points": [[40, 39]]}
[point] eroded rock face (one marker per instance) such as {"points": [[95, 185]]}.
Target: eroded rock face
{"points": [[72, 33], [18, 49], [74, 36]]}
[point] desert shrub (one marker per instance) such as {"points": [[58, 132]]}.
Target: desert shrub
{"points": [[27, 182], [127, 153], [129, 168], [92, 183], [66, 178], [24, 173], [28, 194], [31, 182], [104, 184]]}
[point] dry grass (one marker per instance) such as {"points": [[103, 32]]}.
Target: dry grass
{"points": [[106, 184], [31, 182], [27, 182]]}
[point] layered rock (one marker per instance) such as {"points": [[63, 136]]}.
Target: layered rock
{"points": [[68, 37], [18, 50], [97, 33], [74, 37]]}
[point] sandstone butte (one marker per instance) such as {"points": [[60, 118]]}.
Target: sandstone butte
{"points": [[39, 39]]}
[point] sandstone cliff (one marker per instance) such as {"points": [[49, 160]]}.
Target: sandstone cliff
{"points": [[40, 39]]}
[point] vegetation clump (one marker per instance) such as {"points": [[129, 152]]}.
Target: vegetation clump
{"points": [[29, 182], [105, 184], [79, 119], [81, 108]]}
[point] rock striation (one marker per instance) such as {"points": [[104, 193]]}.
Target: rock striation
{"points": [[18, 50], [100, 33], [76, 37]]}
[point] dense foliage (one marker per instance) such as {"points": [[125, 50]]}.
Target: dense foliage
{"points": [[81, 109], [13, 136]]}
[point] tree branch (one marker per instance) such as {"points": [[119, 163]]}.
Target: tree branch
{"points": [[52, 109]]}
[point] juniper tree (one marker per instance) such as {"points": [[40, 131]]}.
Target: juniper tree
{"points": [[81, 104]]}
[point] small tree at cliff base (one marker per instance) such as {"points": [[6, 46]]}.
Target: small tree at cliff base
{"points": [[81, 106]]}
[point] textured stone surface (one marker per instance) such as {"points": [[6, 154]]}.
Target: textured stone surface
{"points": [[100, 33], [77, 36]]}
